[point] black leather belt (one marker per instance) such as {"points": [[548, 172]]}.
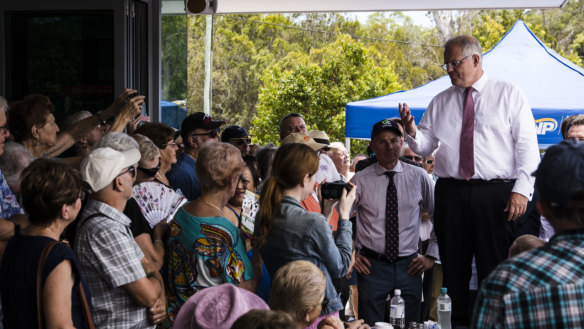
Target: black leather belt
{"points": [[480, 181], [380, 257]]}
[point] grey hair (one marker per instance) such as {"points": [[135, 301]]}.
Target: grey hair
{"points": [[3, 104], [118, 141], [72, 119], [148, 149], [469, 46], [15, 158]]}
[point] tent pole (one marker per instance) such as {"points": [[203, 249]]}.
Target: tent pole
{"points": [[348, 145]]}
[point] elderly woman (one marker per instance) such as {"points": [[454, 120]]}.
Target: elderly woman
{"points": [[163, 136], [298, 289], [286, 232], [205, 249], [31, 122], [51, 197]]}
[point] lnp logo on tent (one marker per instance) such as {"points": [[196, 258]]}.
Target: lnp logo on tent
{"points": [[544, 125]]}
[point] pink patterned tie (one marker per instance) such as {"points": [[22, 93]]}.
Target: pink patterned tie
{"points": [[392, 223], [466, 164]]}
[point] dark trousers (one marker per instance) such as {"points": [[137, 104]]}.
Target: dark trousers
{"points": [[382, 281], [469, 219]]}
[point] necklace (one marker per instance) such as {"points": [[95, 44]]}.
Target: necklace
{"points": [[210, 205]]}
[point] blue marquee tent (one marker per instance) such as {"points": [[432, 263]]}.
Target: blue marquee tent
{"points": [[554, 87], [172, 114]]}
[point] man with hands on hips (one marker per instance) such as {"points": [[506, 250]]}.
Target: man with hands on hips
{"points": [[389, 196], [488, 150]]}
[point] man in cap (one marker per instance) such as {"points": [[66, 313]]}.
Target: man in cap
{"points": [[127, 290], [543, 287], [196, 130], [238, 137], [389, 196], [488, 149]]}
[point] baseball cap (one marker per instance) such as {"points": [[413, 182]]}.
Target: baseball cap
{"points": [[303, 139], [560, 175], [320, 137], [385, 124], [104, 164], [199, 120], [233, 132], [217, 307]]}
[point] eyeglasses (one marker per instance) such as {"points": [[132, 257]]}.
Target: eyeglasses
{"points": [[416, 158], [212, 134], [4, 129], [169, 143], [150, 172], [131, 170], [240, 140], [429, 162], [453, 64]]}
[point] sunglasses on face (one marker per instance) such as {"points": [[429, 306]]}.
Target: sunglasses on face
{"points": [[240, 141], [429, 162], [212, 134], [416, 158], [131, 170], [151, 172]]}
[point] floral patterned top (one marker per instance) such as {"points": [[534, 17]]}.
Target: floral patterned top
{"points": [[202, 252], [8, 202]]}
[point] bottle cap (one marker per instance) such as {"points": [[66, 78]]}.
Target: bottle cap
{"points": [[397, 292], [443, 290]]}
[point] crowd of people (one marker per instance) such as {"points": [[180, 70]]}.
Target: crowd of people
{"points": [[428, 204]]}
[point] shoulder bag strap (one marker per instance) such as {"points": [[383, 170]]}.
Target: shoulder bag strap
{"points": [[85, 306], [39, 283]]}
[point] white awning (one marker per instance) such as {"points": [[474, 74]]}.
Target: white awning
{"points": [[291, 6]]}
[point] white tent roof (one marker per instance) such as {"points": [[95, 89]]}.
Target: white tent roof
{"points": [[288, 6]]}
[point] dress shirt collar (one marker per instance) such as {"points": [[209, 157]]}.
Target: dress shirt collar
{"points": [[380, 170], [478, 85]]}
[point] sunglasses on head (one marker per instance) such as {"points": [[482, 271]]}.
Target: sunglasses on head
{"points": [[416, 158], [240, 140], [212, 134], [151, 172]]}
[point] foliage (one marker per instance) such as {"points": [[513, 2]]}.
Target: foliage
{"points": [[265, 66], [318, 86]]}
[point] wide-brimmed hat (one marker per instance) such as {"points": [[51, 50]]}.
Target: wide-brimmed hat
{"points": [[303, 139]]}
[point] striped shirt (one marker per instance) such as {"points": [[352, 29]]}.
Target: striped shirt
{"points": [[541, 288], [109, 258], [414, 189]]}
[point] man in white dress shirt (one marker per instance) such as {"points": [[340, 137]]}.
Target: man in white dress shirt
{"points": [[488, 150]]}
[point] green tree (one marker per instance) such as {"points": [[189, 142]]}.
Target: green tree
{"points": [[173, 57], [318, 86]]}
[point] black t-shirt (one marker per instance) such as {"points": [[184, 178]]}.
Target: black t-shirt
{"points": [[18, 274], [139, 223]]}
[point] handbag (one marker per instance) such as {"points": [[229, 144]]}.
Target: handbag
{"points": [[84, 304]]}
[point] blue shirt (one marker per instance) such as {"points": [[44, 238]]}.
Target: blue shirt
{"points": [[542, 287], [301, 235], [183, 176]]}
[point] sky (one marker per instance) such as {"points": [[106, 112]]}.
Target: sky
{"points": [[419, 17]]}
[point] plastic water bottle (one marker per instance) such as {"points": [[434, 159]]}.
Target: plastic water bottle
{"points": [[397, 310], [444, 310]]}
